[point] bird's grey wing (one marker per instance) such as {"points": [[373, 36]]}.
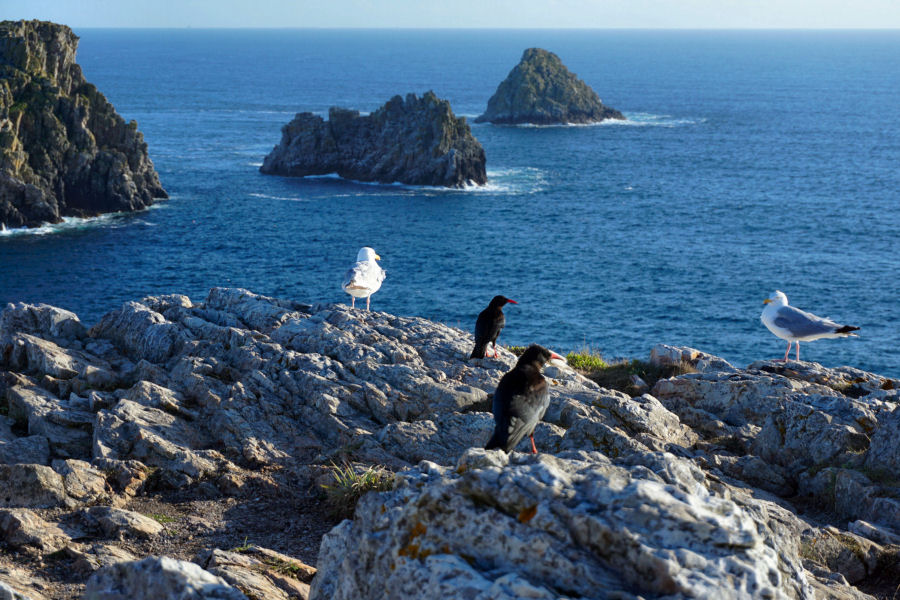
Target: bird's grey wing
{"points": [[364, 274], [348, 276], [801, 323]]}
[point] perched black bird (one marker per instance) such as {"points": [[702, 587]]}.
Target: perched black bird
{"points": [[487, 327], [521, 399]]}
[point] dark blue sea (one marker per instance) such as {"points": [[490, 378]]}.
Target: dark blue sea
{"points": [[751, 161]]}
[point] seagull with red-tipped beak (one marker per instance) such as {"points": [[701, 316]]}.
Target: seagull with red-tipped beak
{"points": [[521, 399], [488, 326]]}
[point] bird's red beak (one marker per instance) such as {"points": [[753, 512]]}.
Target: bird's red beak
{"points": [[555, 356], [511, 301]]}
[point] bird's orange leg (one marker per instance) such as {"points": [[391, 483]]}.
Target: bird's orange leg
{"points": [[533, 447], [786, 352]]}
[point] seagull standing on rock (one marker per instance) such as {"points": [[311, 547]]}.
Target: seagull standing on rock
{"points": [[488, 325], [795, 325], [521, 399], [364, 278]]}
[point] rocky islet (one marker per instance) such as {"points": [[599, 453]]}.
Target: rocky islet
{"points": [[540, 90], [412, 140], [64, 150]]}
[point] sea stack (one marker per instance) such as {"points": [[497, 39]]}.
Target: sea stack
{"points": [[417, 141], [540, 90], [64, 151]]}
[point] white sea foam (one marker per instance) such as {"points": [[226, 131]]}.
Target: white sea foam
{"points": [[631, 120], [255, 164], [67, 224], [269, 197]]}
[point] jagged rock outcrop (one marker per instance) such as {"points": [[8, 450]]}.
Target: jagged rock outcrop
{"points": [[64, 151], [417, 141], [542, 91], [770, 481]]}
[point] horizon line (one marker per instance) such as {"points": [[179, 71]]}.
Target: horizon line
{"points": [[429, 28]]}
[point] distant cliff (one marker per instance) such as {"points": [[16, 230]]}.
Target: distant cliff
{"points": [[541, 90], [64, 151], [417, 141]]}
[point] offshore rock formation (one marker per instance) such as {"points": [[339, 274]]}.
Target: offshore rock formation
{"points": [[542, 91], [417, 141], [64, 151], [773, 481]]}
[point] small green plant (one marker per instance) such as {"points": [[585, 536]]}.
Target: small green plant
{"points": [[586, 359], [517, 350], [243, 547], [350, 485], [161, 518]]}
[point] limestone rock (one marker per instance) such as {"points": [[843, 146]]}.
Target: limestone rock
{"points": [[64, 151], [118, 523], [572, 525], [32, 486], [260, 573], [88, 559], [158, 577], [541, 90], [418, 141], [22, 528]]}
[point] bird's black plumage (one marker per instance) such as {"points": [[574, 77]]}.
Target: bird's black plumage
{"points": [[521, 399], [488, 325]]}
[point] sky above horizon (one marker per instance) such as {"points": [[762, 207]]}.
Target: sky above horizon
{"points": [[678, 14]]}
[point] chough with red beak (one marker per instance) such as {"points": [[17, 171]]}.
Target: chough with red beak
{"points": [[521, 399], [487, 327]]}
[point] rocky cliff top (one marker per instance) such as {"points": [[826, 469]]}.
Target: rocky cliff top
{"points": [[542, 91], [417, 141], [64, 151], [203, 431]]}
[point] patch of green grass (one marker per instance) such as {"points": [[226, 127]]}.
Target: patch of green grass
{"points": [[586, 359], [517, 350], [161, 518], [349, 486]]}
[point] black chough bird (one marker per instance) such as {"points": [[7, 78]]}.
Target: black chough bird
{"points": [[521, 399], [487, 327]]}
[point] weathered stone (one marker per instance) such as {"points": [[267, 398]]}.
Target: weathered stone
{"points": [[571, 525], [265, 575], [140, 333], [65, 150], [153, 578], [119, 523], [418, 141], [96, 556], [32, 486], [32, 449], [541, 90], [22, 528], [82, 482]]}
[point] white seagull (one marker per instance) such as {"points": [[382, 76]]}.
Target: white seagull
{"points": [[795, 325], [364, 278]]}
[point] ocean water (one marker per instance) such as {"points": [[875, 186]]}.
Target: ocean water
{"points": [[751, 161]]}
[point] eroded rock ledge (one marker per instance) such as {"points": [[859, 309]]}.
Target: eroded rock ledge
{"points": [[64, 151], [417, 141], [540, 90], [772, 481]]}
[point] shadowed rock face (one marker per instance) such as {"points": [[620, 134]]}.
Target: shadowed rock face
{"points": [[542, 91], [64, 151], [417, 141]]}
